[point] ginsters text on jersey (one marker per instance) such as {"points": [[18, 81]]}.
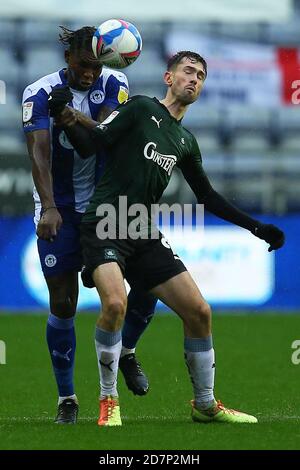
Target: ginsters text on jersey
{"points": [[166, 162]]}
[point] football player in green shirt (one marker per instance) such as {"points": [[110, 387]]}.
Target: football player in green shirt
{"points": [[144, 140]]}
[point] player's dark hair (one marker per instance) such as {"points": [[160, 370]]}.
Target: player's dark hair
{"points": [[177, 58], [81, 39]]}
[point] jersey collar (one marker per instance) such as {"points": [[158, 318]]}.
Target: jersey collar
{"points": [[62, 76], [167, 111]]}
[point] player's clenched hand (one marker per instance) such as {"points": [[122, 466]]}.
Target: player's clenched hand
{"points": [[49, 224], [67, 118], [271, 234], [57, 100]]}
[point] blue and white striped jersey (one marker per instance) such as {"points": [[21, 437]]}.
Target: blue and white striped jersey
{"points": [[73, 178]]}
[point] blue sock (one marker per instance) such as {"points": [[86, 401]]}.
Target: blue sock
{"points": [[62, 344], [140, 310]]}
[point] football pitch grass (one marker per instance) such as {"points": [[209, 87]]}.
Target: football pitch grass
{"points": [[254, 374]]}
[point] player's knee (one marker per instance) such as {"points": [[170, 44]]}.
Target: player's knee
{"points": [[115, 308], [63, 307], [201, 312], [205, 312]]}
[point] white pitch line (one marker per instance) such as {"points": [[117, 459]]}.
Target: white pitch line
{"points": [[21, 419], [24, 419]]}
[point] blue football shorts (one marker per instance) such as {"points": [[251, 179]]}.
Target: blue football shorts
{"points": [[63, 254]]}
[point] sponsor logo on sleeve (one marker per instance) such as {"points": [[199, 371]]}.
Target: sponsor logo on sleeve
{"points": [[27, 111], [110, 117], [123, 94]]}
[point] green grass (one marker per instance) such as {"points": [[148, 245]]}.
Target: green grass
{"points": [[254, 374]]}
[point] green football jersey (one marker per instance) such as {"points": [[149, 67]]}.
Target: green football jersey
{"points": [[143, 144]]}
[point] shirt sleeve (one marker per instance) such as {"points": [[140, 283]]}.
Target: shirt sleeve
{"points": [[35, 110], [194, 174], [113, 128], [116, 90], [213, 201]]}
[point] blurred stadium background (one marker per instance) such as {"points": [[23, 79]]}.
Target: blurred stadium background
{"points": [[247, 124]]}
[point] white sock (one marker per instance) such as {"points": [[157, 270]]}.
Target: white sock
{"points": [[126, 351], [201, 366], [71, 397], [108, 348]]}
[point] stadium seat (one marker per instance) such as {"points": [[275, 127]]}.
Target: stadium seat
{"points": [[249, 31], [10, 69], [288, 33], [40, 32], [154, 89], [7, 32], [208, 142], [290, 144], [10, 112], [288, 119], [42, 61], [10, 143], [248, 163], [201, 117], [247, 118], [215, 164], [149, 68], [250, 142]]}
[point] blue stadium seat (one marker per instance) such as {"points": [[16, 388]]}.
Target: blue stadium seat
{"points": [[36, 32], [10, 68], [7, 32], [288, 119], [42, 61], [148, 69], [11, 143], [200, 116], [10, 112], [290, 144], [208, 142], [247, 118], [250, 142]]}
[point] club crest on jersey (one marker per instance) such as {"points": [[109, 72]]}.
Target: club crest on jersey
{"points": [[166, 162], [123, 94], [97, 96], [27, 111]]}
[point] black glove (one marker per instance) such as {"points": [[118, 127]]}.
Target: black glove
{"points": [[271, 234], [57, 100]]}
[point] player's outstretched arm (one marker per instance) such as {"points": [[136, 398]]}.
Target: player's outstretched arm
{"points": [[78, 134], [38, 143], [219, 206], [75, 124]]}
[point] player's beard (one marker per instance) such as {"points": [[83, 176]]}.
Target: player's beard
{"points": [[188, 98]]}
